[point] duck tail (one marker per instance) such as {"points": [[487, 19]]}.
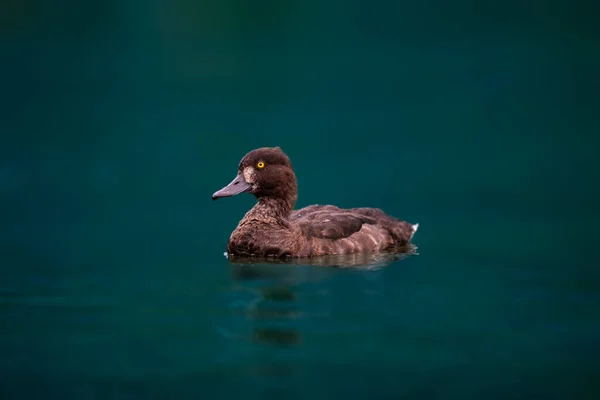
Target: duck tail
{"points": [[414, 230]]}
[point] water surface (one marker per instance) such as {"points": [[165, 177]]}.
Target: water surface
{"points": [[122, 120]]}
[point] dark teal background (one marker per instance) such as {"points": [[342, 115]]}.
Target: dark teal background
{"points": [[478, 120]]}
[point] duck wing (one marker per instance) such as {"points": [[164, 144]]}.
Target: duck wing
{"points": [[329, 222]]}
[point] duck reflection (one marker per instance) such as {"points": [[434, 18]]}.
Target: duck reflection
{"points": [[280, 289], [274, 310]]}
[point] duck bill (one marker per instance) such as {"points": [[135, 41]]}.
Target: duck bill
{"points": [[237, 186]]}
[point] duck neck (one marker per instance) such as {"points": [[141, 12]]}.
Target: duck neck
{"points": [[273, 207]]}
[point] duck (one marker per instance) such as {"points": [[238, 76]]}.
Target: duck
{"points": [[273, 228]]}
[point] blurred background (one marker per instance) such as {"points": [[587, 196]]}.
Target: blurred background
{"points": [[119, 119]]}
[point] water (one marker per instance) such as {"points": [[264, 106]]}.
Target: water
{"points": [[119, 122]]}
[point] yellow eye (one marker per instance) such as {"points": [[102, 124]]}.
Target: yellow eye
{"points": [[260, 164]]}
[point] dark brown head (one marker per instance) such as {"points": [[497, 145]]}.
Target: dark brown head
{"points": [[267, 173]]}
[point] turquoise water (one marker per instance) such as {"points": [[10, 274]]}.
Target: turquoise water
{"points": [[122, 119]]}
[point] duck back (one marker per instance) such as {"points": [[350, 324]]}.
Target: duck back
{"points": [[332, 230]]}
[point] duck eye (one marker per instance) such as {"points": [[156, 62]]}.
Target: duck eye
{"points": [[260, 164]]}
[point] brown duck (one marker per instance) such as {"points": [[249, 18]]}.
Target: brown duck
{"points": [[273, 228]]}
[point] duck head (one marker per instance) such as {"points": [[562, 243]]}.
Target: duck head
{"points": [[267, 173]]}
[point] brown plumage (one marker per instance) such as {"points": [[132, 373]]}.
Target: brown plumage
{"points": [[273, 228]]}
